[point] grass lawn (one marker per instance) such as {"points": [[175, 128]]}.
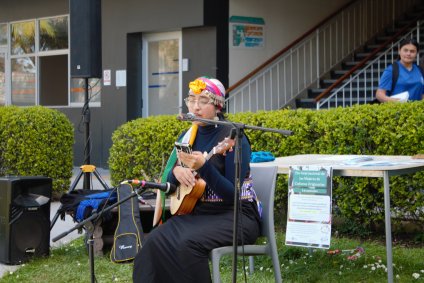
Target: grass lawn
{"points": [[70, 264]]}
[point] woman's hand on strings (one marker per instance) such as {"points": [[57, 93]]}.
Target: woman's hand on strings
{"points": [[184, 175], [194, 161]]}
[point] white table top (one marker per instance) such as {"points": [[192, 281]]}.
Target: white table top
{"points": [[350, 165]]}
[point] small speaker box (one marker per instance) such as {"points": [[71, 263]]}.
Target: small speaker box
{"points": [[24, 218]]}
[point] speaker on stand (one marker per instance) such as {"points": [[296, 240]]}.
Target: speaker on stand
{"points": [[86, 59], [24, 218], [86, 38], [86, 62]]}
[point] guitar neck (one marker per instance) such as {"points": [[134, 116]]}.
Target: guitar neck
{"points": [[210, 154], [220, 148]]}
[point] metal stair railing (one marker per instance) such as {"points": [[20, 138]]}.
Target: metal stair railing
{"points": [[354, 90], [277, 82]]}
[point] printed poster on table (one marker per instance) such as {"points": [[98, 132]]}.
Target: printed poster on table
{"points": [[309, 207]]}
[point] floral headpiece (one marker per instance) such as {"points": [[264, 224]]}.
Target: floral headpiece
{"points": [[213, 88]]}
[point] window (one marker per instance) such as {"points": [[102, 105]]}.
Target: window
{"points": [[2, 78], [53, 61], [22, 38], [23, 65], [53, 33], [23, 81], [53, 80], [3, 34], [78, 91], [3, 50], [37, 72]]}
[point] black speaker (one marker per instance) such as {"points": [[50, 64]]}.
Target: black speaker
{"points": [[86, 38], [24, 218]]}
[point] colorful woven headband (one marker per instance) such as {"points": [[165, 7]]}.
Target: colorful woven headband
{"points": [[210, 87]]}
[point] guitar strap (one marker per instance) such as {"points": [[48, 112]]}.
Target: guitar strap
{"points": [[159, 214], [128, 234]]}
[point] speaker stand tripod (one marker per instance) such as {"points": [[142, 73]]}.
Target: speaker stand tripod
{"points": [[84, 170], [87, 170]]}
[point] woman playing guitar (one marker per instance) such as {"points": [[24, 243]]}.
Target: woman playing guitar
{"points": [[177, 251]]}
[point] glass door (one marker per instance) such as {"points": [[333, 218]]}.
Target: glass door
{"points": [[161, 73]]}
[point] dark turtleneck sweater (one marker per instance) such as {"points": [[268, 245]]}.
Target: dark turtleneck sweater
{"points": [[219, 170]]}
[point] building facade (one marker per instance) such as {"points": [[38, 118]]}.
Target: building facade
{"points": [[150, 51]]}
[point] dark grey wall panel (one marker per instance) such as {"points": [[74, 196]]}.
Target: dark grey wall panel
{"points": [[12, 10], [202, 55], [134, 72]]}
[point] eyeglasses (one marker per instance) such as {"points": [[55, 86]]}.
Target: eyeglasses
{"points": [[202, 101]]}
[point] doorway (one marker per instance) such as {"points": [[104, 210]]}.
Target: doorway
{"points": [[161, 73]]}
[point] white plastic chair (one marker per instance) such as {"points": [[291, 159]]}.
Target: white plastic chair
{"points": [[264, 179]]}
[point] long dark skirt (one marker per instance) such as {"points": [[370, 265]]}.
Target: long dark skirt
{"points": [[178, 250]]}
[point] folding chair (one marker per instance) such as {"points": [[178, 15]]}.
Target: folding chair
{"points": [[264, 179]]}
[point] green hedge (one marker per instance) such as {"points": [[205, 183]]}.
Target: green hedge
{"points": [[386, 129], [141, 147], [36, 141]]}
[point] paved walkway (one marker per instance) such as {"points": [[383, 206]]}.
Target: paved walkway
{"points": [[60, 225]]}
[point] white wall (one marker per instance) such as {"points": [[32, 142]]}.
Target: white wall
{"points": [[285, 21]]}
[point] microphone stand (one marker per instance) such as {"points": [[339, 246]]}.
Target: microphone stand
{"points": [[239, 127], [89, 226]]}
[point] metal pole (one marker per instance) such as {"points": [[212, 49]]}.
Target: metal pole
{"points": [[91, 257], [388, 225], [237, 164], [89, 228], [87, 146]]}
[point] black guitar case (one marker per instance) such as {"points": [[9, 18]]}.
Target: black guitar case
{"points": [[128, 237]]}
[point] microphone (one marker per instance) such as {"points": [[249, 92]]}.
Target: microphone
{"points": [[165, 187], [186, 117]]}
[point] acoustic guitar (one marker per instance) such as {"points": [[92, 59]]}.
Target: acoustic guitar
{"points": [[182, 201]]}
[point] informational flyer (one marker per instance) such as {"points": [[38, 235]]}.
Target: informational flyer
{"points": [[309, 207], [247, 32]]}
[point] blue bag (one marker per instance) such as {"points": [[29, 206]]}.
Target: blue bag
{"points": [[261, 156], [81, 203]]}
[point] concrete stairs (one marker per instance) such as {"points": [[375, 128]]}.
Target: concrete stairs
{"points": [[362, 90]]}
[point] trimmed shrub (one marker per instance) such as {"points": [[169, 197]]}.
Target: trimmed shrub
{"points": [[36, 141], [384, 129], [141, 147]]}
